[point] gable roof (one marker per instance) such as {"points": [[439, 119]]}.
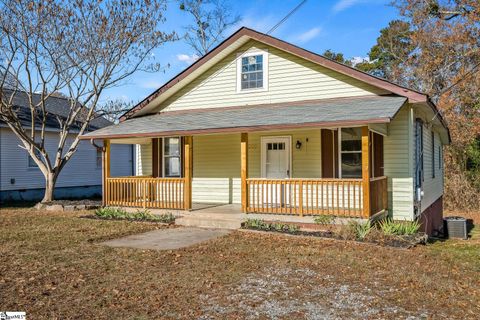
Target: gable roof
{"points": [[242, 36], [56, 107]]}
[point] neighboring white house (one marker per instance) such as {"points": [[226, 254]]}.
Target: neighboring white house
{"points": [[20, 178]]}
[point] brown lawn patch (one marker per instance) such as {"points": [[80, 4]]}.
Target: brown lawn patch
{"points": [[53, 268]]}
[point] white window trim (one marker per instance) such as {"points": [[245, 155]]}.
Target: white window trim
{"points": [[163, 155], [264, 53], [267, 139]]}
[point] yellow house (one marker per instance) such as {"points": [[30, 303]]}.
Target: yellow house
{"points": [[272, 128]]}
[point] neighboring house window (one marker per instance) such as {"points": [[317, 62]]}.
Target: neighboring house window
{"points": [[433, 155], [172, 157], [351, 153], [252, 71], [31, 162], [99, 157]]}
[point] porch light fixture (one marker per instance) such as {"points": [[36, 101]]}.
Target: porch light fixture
{"points": [[298, 145]]}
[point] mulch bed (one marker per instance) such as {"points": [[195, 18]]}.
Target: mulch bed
{"points": [[130, 220], [406, 242], [69, 205], [86, 202]]}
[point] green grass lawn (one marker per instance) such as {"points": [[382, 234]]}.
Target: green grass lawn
{"points": [[53, 267]]}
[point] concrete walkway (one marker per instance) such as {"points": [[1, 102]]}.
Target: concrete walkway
{"points": [[167, 239]]}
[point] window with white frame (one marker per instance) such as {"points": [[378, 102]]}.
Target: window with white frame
{"points": [[172, 157], [31, 162], [252, 71], [99, 157], [351, 152]]}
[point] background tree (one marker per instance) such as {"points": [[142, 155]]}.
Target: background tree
{"points": [[387, 58], [446, 65], [211, 20], [338, 57], [77, 48]]}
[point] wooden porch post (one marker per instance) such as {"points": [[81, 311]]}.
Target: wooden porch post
{"points": [[187, 192], [244, 169], [105, 170], [366, 171]]}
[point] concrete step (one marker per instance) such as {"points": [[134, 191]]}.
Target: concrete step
{"points": [[209, 222]]}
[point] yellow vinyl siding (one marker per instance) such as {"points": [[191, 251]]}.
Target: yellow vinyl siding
{"points": [[144, 159], [290, 78], [216, 169], [432, 187], [306, 162], [397, 165], [216, 163]]}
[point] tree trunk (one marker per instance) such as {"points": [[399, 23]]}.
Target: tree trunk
{"points": [[50, 181]]}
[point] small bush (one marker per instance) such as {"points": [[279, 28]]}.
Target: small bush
{"points": [[258, 224], [360, 229], [399, 228], [139, 215], [324, 219]]}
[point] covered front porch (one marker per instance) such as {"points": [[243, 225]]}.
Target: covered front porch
{"points": [[302, 172], [305, 158]]}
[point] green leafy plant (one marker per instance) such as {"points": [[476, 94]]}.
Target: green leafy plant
{"points": [[360, 229], [324, 219], [139, 215], [399, 228]]}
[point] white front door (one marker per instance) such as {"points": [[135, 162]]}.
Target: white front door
{"points": [[276, 157], [276, 165]]}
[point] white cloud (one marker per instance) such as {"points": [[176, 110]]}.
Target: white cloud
{"points": [[307, 35], [357, 60], [188, 59], [344, 4], [151, 84]]}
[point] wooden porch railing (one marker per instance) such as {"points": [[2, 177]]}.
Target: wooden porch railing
{"points": [[341, 197], [146, 192], [378, 194]]}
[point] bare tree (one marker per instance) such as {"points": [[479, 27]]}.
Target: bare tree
{"points": [[79, 48], [212, 18]]}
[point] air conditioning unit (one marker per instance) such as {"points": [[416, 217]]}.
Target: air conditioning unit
{"points": [[455, 227]]}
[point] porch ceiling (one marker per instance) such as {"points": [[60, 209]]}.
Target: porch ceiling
{"points": [[319, 113]]}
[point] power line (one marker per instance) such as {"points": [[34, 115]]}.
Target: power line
{"points": [[286, 17]]}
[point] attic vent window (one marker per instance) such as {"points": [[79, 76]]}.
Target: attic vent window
{"points": [[252, 71]]}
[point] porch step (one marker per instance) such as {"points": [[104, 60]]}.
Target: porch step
{"points": [[209, 222]]}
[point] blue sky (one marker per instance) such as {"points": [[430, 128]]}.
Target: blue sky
{"points": [[347, 26]]}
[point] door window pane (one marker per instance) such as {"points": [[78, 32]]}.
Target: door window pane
{"points": [[172, 167]]}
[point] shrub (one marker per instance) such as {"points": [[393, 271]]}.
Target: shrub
{"points": [[139, 215], [399, 228], [259, 224], [360, 229], [324, 219]]}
